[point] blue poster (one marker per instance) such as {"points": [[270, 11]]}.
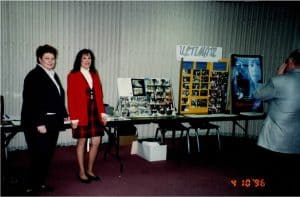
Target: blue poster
{"points": [[246, 75]]}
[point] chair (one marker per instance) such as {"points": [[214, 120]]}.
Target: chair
{"points": [[197, 126], [166, 126]]}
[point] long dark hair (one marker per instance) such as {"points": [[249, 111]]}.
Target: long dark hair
{"points": [[77, 62]]}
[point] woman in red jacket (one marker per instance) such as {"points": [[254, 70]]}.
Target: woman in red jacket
{"points": [[86, 109]]}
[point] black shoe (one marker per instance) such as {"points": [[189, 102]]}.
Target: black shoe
{"points": [[45, 188], [84, 180], [29, 191], [93, 178]]}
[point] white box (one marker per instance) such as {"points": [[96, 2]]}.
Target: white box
{"points": [[151, 151]]}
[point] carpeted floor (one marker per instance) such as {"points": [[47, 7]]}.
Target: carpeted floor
{"points": [[230, 172]]}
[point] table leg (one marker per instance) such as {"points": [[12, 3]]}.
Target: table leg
{"points": [[113, 140]]}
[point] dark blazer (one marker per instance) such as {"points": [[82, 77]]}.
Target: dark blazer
{"points": [[41, 96]]}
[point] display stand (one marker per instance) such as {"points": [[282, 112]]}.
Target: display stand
{"points": [[203, 87], [145, 97]]}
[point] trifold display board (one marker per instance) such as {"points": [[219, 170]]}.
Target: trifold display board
{"points": [[203, 87], [140, 97]]}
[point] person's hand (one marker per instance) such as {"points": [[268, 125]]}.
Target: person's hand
{"points": [[74, 124], [42, 129], [281, 69], [103, 118]]}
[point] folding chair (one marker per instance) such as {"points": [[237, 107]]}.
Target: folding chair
{"points": [[197, 126], [166, 126]]}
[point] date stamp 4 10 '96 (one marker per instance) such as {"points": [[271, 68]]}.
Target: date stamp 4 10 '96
{"points": [[248, 182]]}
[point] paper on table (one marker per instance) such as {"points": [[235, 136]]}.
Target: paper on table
{"points": [[16, 122], [210, 115], [251, 113]]}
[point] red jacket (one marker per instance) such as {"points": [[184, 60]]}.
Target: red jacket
{"points": [[77, 87]]}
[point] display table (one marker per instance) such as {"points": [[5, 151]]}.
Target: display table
{"points": [[114, 123], [10, 128]]}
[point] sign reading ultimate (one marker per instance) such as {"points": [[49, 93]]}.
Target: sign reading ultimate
{"points": [[198, 53]]}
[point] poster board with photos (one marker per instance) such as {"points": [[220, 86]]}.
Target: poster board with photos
{"points": [[246, 75], [145, 97], [203, 87]]}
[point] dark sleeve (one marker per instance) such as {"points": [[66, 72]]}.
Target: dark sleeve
{"points": [[32, 102]]}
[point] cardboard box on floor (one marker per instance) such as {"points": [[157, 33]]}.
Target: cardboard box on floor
{"points": [[151, 151], [127, 140], [128, 134]]}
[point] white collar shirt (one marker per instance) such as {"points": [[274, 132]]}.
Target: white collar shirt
{"points": [[51, 74], [87, 75]]}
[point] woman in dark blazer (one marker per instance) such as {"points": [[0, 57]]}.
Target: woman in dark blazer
{"points": [[87, 112], [42, 116]]}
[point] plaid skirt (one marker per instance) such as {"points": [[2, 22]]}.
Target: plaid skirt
{"points": [[94, 127]]}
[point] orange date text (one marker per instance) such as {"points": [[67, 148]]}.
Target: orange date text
{"points": [[248, 182]]}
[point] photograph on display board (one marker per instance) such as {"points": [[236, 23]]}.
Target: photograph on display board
{"points": [[133, 106], [246, 75], [138, 87]]}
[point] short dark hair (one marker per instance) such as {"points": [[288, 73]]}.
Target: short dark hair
{"points": [[77, 62], [295, 56], [41, 50]]}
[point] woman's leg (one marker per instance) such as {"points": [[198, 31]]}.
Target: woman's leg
{"points": [[80, 157], [95, 141]]}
